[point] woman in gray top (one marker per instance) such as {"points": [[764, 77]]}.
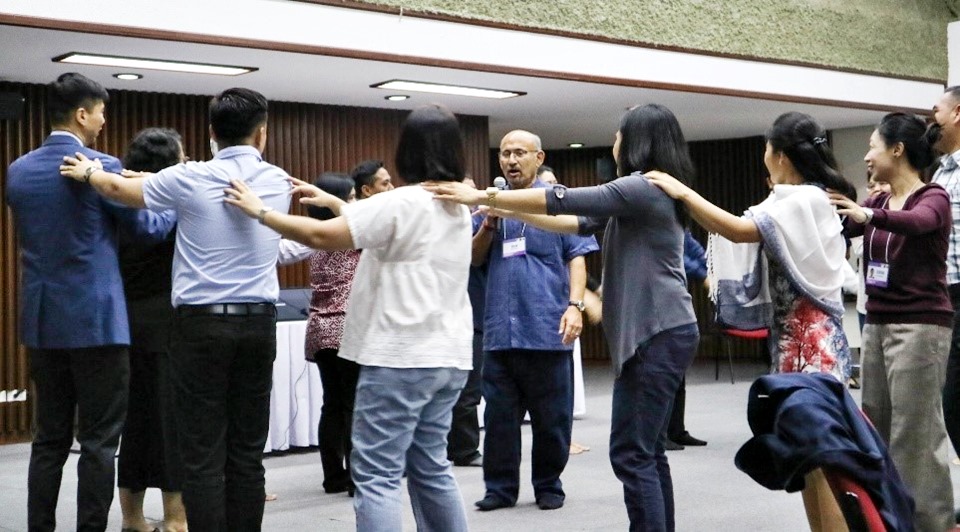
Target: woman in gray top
{"points": [[648, 316]]}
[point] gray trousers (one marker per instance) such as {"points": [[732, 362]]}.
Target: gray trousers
{"points": [[903, 369]]}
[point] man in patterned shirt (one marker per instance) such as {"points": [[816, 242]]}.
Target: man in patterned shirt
{"points": [[944, 134]]}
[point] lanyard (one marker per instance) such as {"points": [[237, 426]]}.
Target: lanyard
{"points": [[873, 232], [522, 229]]}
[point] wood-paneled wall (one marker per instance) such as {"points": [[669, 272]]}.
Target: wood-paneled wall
{"points": [[730, 174], [304, 139]]}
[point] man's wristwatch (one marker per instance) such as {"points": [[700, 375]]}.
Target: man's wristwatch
{"points": [[579, 304], [89, 172], [263, 212], [869, 213]]}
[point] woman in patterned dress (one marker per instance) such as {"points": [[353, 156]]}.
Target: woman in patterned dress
{"points": [[799, 232]]}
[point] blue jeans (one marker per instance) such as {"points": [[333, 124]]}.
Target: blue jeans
{"points": [[400, 422], [518, 381], [642, 398]]}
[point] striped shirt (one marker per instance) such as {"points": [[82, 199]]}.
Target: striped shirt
{"points": [[948, 176]]}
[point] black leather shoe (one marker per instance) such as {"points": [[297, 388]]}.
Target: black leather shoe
{"points": [[687, 439], [491, 503], [476, 461], [550, 502], [671, 445]]}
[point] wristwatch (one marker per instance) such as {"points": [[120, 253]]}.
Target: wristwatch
{"points": [[579, 304], [263, 212], [492, 196]]}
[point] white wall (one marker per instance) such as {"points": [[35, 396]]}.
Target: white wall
{"points": [[953, 53], [849, 147]]}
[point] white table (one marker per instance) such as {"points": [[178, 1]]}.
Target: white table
{"points": [[298, 394]]}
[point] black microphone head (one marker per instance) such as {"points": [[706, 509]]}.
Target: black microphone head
{"points": [[500, 182]]}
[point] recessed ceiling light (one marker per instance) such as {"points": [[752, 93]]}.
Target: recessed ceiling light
{"points": [[128, 76], [151, 64], [438, 88], [575, 145], [396, 97]]}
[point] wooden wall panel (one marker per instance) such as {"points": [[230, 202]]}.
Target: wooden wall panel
{"points": [[730, 174], [304, 139]]}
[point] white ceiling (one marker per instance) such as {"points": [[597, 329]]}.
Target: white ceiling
{"points": [[561, 111]]}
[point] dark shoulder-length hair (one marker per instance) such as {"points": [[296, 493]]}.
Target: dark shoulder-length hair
{"points": [[153, 149], [804, 141], [651, 139], [431, 146], [334, 183]]}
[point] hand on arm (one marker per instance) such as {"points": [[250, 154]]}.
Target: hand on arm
{"points": [[712, 218], [571, 323], [847, 207], [311, 195], [330, 234], [531, 200], [112, 186]]}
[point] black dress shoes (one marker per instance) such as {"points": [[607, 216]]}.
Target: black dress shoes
{"points": [[687, 439], [550, 502], [492, 503], [671, 445]]}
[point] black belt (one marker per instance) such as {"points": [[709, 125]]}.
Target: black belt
{"points": [[228, 309]]}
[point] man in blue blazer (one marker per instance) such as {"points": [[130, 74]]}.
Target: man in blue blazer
{"points": [[73, 319]]}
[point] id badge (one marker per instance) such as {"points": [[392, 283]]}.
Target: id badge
{"points": [[878, 274], [515, 247]]}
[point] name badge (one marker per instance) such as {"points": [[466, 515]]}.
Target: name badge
{"points": [[878, 274], [515, 247]]}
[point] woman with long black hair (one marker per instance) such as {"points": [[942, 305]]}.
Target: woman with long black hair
{"points": [[648, 316]]}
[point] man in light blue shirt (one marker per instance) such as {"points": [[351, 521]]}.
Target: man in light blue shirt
{"points": [[224, 290]]}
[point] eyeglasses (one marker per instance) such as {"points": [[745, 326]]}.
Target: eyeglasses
{"points": [[518, 153]]}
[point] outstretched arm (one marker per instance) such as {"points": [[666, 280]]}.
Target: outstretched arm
{"points": [[712, 218], [128, 191], [329, 234]]}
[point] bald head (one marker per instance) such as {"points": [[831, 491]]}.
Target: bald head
{"points": [[521, 154]]}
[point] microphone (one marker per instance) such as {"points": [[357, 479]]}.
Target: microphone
{"points": [[500, 182]]}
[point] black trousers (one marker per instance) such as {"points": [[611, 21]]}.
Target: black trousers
{"points": [[463, 443], [222, 372], [339, 378], [676, 427], [951, 386], [90, 385]]}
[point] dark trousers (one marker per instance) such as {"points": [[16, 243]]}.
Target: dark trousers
{"points": [[517, 381], [951, 386], [90, 384], [339, 378], [147, 458], [222, 369], [676, 428], [463, 443], [642, 398]]}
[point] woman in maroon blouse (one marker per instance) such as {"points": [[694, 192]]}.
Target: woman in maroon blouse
{"points": [[331, 274], [909, 316]]}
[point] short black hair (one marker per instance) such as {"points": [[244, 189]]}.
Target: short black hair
{"points": [[954, 92], [235, 114], [910, 130], [70, 92], [335, 183], [431, 146], [152, 150], [544, 168], [363, 174]]}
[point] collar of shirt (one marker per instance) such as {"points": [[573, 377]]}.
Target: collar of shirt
{"points": [[62, 133], [237, 151]]}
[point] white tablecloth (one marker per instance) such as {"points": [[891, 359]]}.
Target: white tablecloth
{"points": [[297, 393]]}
